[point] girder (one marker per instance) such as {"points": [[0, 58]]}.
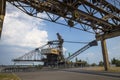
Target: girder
{"points": [[96, 16], [90, 44], [108, 35], [33, 55]]}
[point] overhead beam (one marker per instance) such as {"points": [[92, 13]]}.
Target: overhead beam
{"points": [[99, 9], [108, 35], [62, 10], [2, 14]]}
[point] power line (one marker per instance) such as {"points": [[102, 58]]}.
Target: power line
{"points": [[76, 42]]}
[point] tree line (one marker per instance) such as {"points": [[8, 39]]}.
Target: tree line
{"points": [[114, 62]]}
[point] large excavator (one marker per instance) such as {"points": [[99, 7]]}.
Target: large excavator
{"points": [[54, 53], [100, 17]]}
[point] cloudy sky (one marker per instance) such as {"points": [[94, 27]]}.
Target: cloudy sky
{"points": [[22, 33]]}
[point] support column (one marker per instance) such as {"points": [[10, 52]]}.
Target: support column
{"points": [[105, 54], [2, 14]]}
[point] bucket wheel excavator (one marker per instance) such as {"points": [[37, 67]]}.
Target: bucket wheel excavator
{"points": [[52, 53]]}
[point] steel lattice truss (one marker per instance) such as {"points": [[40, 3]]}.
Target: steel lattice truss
{"points": [[95, 16], [90, 44], [34, 55]]}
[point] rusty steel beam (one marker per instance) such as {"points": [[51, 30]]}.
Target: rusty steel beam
{"points": [[105, 22], [2, 14], [108, 35], [105, 55], [98, 8]]}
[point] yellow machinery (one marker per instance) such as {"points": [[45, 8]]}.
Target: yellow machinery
{"points": [[50, 51], [54, 53]]}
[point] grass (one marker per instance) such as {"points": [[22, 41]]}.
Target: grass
{"points": [[112, 69], [8, 76], [94, 68]]}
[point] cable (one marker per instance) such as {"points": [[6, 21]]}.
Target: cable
{"points": [[76, 42]]}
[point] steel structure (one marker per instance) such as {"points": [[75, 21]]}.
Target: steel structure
{"points": [[95, 16], [51, 59], [34, 55], [47, 53], [101, 17], [92, 43]]}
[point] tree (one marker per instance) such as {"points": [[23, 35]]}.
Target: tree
{"points": [[86, 63], [100, 63], [69, 54], [79, 60], [76, 59], [116, 62], [93, 64], [113, 61]]}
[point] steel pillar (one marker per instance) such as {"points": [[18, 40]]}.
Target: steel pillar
{"points": [[105, 54], [2, 14]]}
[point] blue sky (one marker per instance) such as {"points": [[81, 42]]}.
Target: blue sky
{"points": [[22, 33]]}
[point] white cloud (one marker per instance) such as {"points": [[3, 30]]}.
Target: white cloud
{"points": [[21, 33], [64, 49], [22, 30], [64, 52]]}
